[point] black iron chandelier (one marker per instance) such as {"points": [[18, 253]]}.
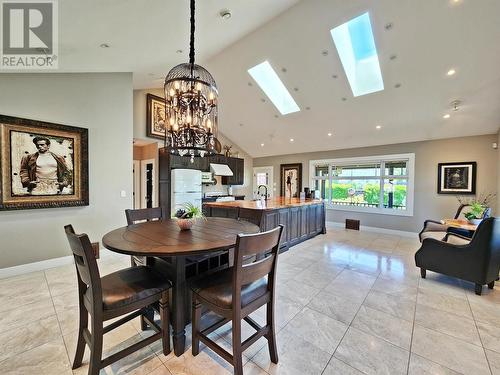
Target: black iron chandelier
{"points": [[191, 107]]}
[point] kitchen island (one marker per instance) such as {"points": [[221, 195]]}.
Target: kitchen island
{"points": [[303, 219]]}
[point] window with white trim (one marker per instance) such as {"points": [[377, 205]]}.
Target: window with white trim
{"points": [[382, 184]]}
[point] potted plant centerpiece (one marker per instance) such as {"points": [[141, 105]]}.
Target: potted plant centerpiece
{"points": [[477, 207], [475, 214], [187, 215]]}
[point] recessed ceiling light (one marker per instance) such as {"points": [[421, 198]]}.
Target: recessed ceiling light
{"points": [[378, 127], [451, 72], [225, 14], [291, 139], [262, 145], [104, 45], [329, 134], [446, 116]]}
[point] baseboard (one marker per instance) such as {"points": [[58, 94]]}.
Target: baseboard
{"points": [[35, 266], [395, 232]]}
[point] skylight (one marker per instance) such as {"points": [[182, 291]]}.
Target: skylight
{"points": [[356, 47], [271, 84]]}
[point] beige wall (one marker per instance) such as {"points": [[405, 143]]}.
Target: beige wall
{"points": [[103, 104], [140, 133], [498, 175], [427, 204]]}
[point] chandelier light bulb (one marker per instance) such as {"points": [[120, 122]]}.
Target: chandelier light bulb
{"points": [[177, 85]]}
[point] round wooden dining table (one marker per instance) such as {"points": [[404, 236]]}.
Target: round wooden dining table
{"points": [[164, 239]]}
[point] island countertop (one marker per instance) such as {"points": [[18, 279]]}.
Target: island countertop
{"points": [[270, 204]]}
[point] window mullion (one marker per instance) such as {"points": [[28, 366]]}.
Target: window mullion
{"points": [[381, 181]]}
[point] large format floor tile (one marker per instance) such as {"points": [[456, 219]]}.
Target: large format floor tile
{"points": [[422, 366], [371, 354], [450, 352], [317, 329], [296, 357], [395, 330], [348, 302], [451, 324]]}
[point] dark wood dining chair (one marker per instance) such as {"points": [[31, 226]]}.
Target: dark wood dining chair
{"points": [[128, 291], [236, 292], [138, 215]]}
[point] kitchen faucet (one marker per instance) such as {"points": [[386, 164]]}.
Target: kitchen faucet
{"points": [[258, 191]]}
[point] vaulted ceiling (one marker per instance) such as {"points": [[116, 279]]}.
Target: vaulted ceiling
{"points": [[424, 40]]}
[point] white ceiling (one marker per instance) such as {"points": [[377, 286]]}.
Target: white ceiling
{"points": [[428, 37], [144, 35]]}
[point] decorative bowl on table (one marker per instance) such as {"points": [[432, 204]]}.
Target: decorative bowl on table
{"points": [[185, 224], [187, 215]]}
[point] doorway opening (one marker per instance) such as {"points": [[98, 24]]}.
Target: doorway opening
{"points": [[145, 174], [263, 182]]}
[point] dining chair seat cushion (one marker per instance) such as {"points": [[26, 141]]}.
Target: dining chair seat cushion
{"points": [[436, 235], [217, 288], [130, 285]]}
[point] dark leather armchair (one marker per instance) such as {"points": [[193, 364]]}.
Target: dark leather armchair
{"points": [[477, 260], [436, 229]]}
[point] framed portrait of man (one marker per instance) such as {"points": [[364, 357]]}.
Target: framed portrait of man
{"points": [[155, 116], [42, 165], [457, 178], [291, 180]]}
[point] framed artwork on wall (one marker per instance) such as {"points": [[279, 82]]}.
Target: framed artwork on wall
{"points": [[291, 180], [42, 165], [155, 116], [457, 178]]}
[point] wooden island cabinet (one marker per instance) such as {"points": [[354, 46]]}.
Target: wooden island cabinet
{"points": [[303, 219]]}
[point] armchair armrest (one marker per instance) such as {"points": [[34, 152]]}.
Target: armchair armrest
{"points": [[456, 239], [433, 222]]}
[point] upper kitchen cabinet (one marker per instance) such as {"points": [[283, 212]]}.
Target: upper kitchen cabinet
{"points": [[184, 162], [238, 167]]}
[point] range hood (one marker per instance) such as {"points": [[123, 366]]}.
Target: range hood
{"points": [[221, 170]]}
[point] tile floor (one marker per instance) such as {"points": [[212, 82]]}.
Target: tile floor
{"points": [[348, 303]]}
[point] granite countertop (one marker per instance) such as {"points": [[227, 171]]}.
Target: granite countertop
{"points": [[270, 204]]}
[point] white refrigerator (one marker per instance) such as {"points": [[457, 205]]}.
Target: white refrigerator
{"points": [[186, 188]]}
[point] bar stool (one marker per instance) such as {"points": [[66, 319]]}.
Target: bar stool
{"points": [[129, 291], [236, 292]]}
